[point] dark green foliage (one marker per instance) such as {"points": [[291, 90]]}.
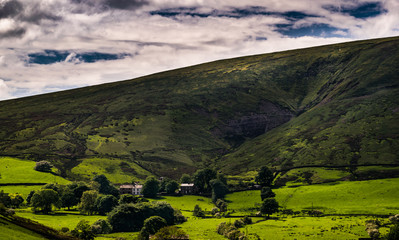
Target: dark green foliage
{"points": [[202, 179], [68, 198], [171, 232], [130, 217], [185, 178], [219, 189], [83, 231], [269, 206], [171, 187], [5, 199], [153, 224], [128, 198], [150, 187], [393, 233], [178, 217], [88, 202], [78, 188], [222, 205], [101, 226], [266, 192], [44, 200], [29, 197], [105, 204], [43, 166], [105, 186], [264, 177], [16, 200], [198, 212]]}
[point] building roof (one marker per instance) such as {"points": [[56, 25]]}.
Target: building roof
{"points": [[130, 186], [187, 185]]}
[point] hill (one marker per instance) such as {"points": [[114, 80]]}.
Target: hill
{"points": [[329, 105]]}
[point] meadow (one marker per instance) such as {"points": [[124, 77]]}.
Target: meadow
{"points": [[10, 231]]}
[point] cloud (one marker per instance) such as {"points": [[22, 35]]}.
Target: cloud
{"points": [[5, 91], [48, 45]]}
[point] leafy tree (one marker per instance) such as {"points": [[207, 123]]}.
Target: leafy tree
{"points": [[266, 192], [5, 199], [185, 178], [198, 211], [78, 189], [130, 217], [393, 233], [128, 198], [222, 178], [88, 202], [171, 187], [105, 204], [269, 206], [171, 232], [163, 183], [264, 177], [43, 166], [83, 231], [219, 189], [105, 186], [222, 205], [45, 199], [202, 179], [16, 199], [29, 197], [150, 187], [68, 199], [53, 186], [101, 226], [154, 223]]}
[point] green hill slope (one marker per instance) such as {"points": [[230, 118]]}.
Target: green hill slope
{"points": [[325, 105]]}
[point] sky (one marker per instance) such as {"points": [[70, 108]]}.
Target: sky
{"points": [[53, 45]]}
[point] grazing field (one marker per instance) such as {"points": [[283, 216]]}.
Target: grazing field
{"points": [[60, 219], [24, 190], [357, 197], [187, 203], [15, 170], [117, 171], [10, 231]]}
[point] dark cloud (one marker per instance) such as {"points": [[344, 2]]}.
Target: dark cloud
{"points": [[14, 33], [10, 9], [54, 56], [363, 10], [317, 29], [93, 6], [36, 15]]}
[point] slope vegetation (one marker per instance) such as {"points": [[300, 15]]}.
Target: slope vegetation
{"points": [[326, 105]]}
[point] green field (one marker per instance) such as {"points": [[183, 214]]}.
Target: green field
{"points": [[59, 219], [117, 171], [14, 170], [10, 231], [334, 198]]}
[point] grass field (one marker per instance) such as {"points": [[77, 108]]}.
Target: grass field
{"points": [[10, 231], [59, 219], [13, 170], [117, 171], [24, 190], [187, 203], [357, 197]]}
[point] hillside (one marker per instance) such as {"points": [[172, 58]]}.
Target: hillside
{"points": [[329, 105]]}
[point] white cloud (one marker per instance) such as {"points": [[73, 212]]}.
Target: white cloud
{"points": [[156, 43], [5, 91]]}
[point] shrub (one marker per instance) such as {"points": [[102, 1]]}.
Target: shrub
{"points": [[171, 232], [43, 166], [83, 231], [198, 212], [239, 223], [178, 217], [101, 226], [64, 229], [153, 224], [393, 233]]}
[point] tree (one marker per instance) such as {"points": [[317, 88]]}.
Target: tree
{"points": [[101, 226], [16, 199], [105, 204], [150, 187], [264, 177], [269, 206], [43, 166], [393, 233], [68, 199], [5, 199], [266, 192], [202, 179], [171, 232], [222, 205], [153, 224], [185, 178], [171, 187], [105, 186], [78, 189], [44, 200], [29, 197], [198, 211], [83, 231], [128, 198], [219, 190], [88, 202]]}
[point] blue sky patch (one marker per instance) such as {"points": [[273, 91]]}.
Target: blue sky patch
{"points": [[362, 11], [54, 56], [319, 29]]}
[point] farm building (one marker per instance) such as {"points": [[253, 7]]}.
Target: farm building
{"points": [[131, 189]]}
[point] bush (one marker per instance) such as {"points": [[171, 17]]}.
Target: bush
{"points": [[83, 231], [198, 212], [239, 223], [153, 224], [64, 229], [43, 166], [101, 226], [178, 217], [393, 233], [171, 232]]}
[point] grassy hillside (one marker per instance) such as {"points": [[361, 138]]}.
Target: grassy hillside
{"points": [[11, 231], [331, 105]]}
